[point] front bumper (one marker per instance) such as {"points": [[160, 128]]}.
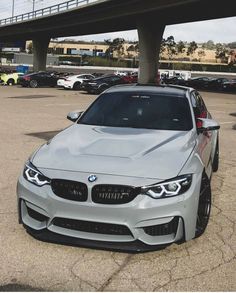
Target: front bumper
{"points": [[90, 89], [23, 82], [68, 86], [139, 216]]}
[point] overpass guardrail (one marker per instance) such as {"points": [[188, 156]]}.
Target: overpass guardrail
{"points": [[45, 11]]}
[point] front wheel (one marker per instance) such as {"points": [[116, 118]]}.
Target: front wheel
{"points": [[204, 206], [33, 83], [10, 82], [77, 86]]}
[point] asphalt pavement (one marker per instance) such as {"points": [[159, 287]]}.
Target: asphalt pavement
{"points": [[28, 118]]}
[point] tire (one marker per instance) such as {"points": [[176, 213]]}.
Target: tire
{"points": [[33, 83], [77, 86], [10, 82], [215, 164], [204, 206]]}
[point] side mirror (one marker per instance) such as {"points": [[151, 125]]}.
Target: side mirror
{"points": [[74, 115], [207, 125]]}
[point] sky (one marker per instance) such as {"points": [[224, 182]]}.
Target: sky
{"points": [[220, 30]]}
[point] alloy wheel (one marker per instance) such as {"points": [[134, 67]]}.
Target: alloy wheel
{"points": [[33, 83]]}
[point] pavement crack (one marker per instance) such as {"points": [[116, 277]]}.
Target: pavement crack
{"points": [[120, 268]]}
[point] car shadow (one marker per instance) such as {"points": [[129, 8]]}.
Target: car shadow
{"points": [[31, 97]]}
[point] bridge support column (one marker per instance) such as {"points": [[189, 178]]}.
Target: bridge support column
{"points": [[40, 48], [150, 36]]}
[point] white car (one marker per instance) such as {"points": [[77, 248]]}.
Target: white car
{"points": [[74, 81], [132, 173]]}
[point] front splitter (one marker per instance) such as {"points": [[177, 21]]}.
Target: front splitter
{"points": [[130, 247]]}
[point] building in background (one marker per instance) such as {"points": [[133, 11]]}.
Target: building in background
{"points": [[13, 47]]}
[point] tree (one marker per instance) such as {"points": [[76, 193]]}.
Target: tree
{"points": [[232, 45], [180, 47], [221, 52], [170, 45], [116, 45], [201, 54], [232, 57], [136, 48], [192, 48], [133, 48], [30, 48], [109, 50], [163, 46], [210, 45]]}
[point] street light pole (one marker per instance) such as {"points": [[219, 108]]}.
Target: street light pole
{"points": [[13, 8], [33, 5]]}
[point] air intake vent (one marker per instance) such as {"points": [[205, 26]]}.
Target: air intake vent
{"points": [[92, 227], [164, 229]]}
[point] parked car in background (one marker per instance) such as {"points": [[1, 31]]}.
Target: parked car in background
{"points": [[100, 84], [198, 82], [131, 77], [37, 79], [133, 172], [122, 73], [9, 78], [229, 86], [74, 81], [178, 80], [98, 74], [217, 83]]}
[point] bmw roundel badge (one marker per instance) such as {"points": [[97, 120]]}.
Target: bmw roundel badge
{"points": [[92, 178]]}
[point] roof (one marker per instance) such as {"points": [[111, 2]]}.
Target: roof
{"points": [[160, 89]]}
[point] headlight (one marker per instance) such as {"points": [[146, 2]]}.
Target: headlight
{"points": [[34, 176], [173, 187]]}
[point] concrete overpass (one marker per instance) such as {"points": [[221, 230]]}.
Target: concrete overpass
{"points": [[150, 18]]}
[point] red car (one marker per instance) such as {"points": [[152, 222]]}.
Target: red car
{"points": [[130, 78]]}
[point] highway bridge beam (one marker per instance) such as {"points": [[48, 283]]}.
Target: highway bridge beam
{"points": [[150, 36], [40, 48]]}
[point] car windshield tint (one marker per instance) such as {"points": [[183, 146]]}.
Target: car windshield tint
{"points": [[150, 111]]}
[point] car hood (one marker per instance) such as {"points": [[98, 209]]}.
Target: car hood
{"points": [[146, 153]]}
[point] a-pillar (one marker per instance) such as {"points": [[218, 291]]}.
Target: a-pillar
{"points": [[150, 36], [40, 48]]}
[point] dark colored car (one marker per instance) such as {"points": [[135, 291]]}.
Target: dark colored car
{"points": [[198, 82], [229, 86], [217, 83], [98, 74], [177, 80], [38, 79], [100, 84]]}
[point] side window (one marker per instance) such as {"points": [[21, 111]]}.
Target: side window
{"points": [[106, 80], [115, 79], [203, 109], [199, 108]]}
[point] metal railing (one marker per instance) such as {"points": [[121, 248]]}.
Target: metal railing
{"points": [[45, 11]]}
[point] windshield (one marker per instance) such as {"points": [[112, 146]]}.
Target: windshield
{"points": [[139, 110]]}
